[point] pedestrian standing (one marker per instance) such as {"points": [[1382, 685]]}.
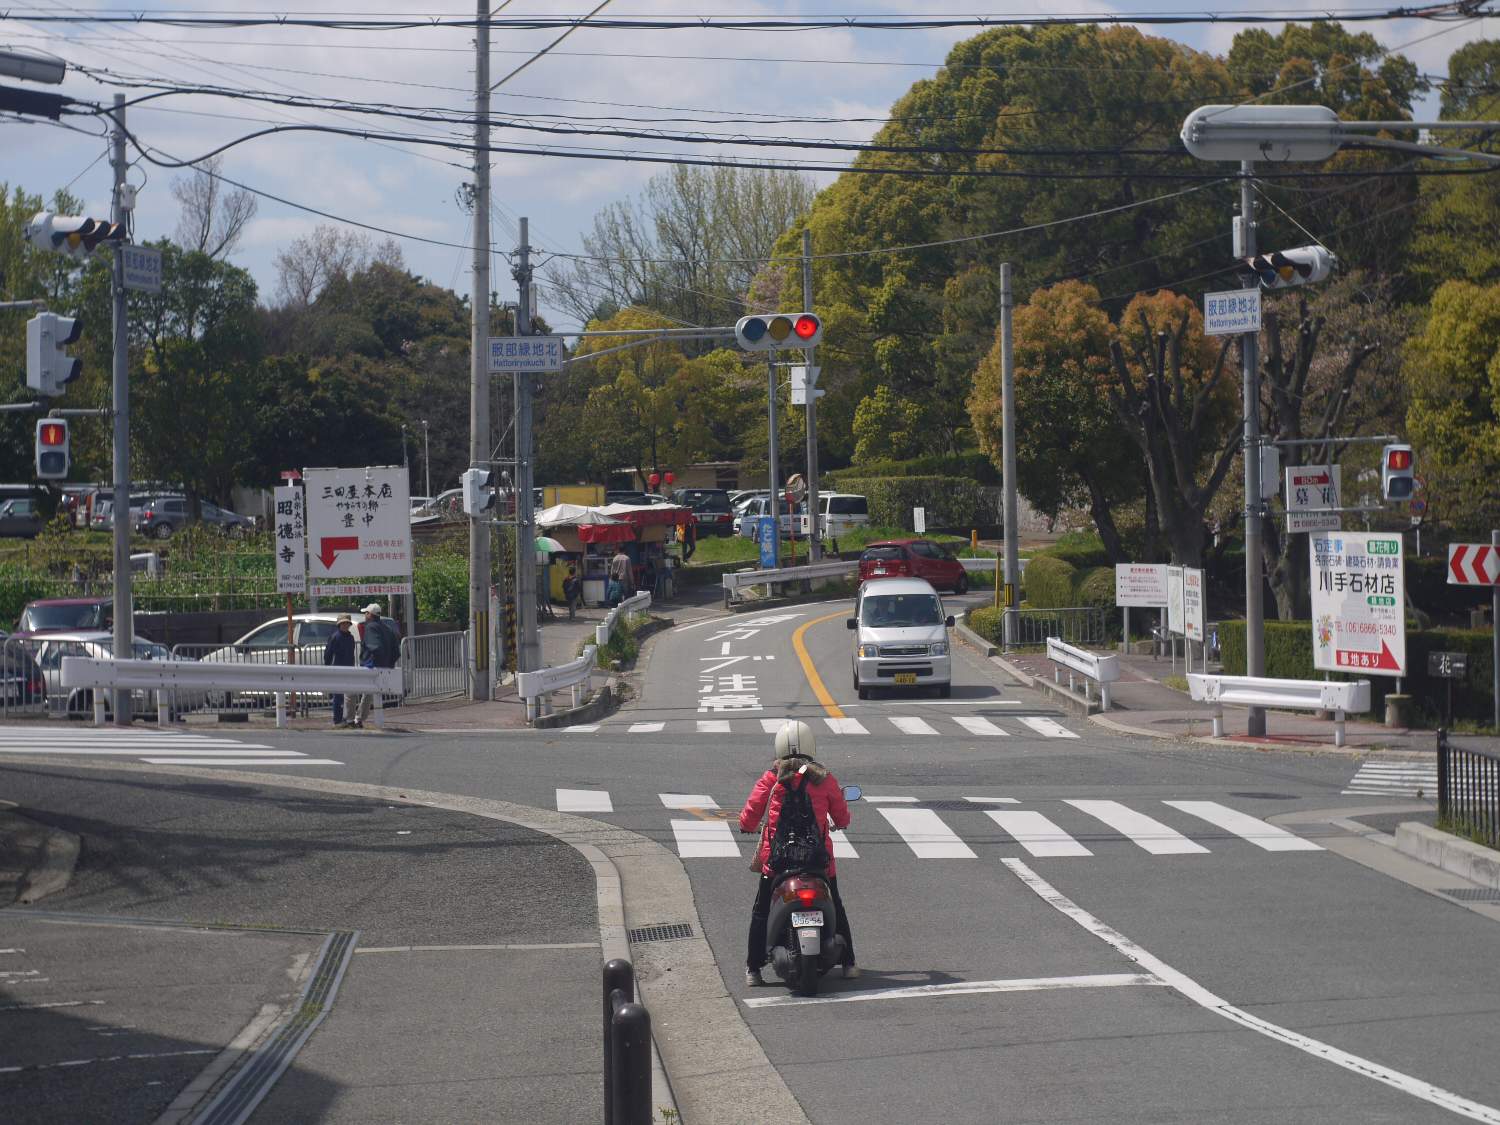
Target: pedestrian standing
{"points": [[619, 577], [377, 649], [339, 652]]}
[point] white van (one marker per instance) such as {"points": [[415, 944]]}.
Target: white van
{"points": [[838, 512]]}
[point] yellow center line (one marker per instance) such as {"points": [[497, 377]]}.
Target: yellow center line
{"points": [[810, 670]]}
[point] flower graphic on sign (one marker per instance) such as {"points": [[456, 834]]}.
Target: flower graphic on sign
{"points": [[1325, 630]]}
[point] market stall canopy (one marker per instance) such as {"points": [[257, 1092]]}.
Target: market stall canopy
{"points": [[654, 515], [592, 524]]}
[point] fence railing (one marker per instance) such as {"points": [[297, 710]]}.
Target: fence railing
{"points": [[1074, 625], [536, 688], [1468, 789], [736, 580], [633, 606], [435, 665], [1099, 668], [23, 685]]}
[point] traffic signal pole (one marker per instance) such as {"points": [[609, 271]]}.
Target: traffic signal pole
{"points": [[479, 378], [528, 643], [814, 541], [124, 624], [1255, 637]]}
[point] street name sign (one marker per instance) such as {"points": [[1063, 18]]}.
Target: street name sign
{"points": [[359, 530], [538, 354], [1358, 603], [1231, 312], [1174, 600], [1193, 613], [291, 540], [142, 267], [1309, 488], [1142, 585], [1473, 564]]}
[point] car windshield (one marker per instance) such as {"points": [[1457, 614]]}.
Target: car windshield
{"points": [[881, 553], [900, 611], [59, 617], [714, 502]]}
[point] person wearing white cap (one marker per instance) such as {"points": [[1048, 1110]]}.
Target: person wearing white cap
{"points": [[377, 649]]}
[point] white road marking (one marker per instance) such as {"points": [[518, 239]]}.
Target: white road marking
{"points": [[200, 748], [960, 988], [236, 761], [1037, 834], [846, 725], [910, 724], [889, 800], [927, 835], [581, 728], [646, 728], [994, 800], [1046, 727], [982, 702], [1247, 827], [1393, 779], [704, 839], [52, 1004], [713, 726], [688, 801], [108, 1059], [977, 724], [1195, 992], [842, 848], [771, 726], [476, 948], [1139, 828], [584, 800]]}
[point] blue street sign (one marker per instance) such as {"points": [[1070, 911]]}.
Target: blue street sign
{"points": [[770, 542]]}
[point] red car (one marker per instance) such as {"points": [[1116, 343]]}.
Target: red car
{"points": [[913, 558]]}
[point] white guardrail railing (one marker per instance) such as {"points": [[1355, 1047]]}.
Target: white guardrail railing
{"points": [[1338, 696], [193, 678], [632, 606], [536, 688], [1100, 668], [738, 579]]}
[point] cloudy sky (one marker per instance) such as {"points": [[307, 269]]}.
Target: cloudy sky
{"points": [[593, 73]]}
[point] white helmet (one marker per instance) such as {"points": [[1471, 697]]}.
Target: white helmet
{"points": [[795, 739]]}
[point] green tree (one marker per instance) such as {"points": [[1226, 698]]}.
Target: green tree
{"points": [[885, 427], [1453, 369]]}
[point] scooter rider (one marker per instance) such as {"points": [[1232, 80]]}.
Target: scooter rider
{"points": [[795, 744]]}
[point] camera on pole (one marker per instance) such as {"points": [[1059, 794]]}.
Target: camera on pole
{"points": [[49, 369]]}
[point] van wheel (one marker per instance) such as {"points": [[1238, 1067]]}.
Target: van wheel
{"points": [[945, 691], [864, 692]]}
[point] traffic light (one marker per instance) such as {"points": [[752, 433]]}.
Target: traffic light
{"points": [[778, 330], [479, 495], [1397, 472], [1281, 269], [52, 456], [48, 368], [72, 235]]}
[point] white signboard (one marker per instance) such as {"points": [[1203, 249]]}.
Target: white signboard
{"points": [[1194, 625], [1141, 584], [1358, 603], [142, 267], [359, 527], [799, 382], [919, 520], [1310, 487], [1174, 600], [291, 541], [1231, 312], [526, 353]]}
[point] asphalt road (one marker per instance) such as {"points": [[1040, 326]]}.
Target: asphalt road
{"points": [[1116, 929]]}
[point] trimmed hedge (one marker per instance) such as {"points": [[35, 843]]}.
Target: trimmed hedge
{"points": [[974, 465], [986, 621], [1097, 588], [950, 501], [1049, 583], [1289, 655]]}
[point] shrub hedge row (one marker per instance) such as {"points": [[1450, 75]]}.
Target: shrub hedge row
{"points": [[973, 465], [951, 502]]}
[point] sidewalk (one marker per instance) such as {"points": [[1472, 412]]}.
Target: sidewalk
{"points": [[1143, 704]]}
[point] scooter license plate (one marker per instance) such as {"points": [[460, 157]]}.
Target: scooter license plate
{"points": [[906, 677], [806, 918]]}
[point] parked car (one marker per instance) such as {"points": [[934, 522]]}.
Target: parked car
{"points": [[913, 558], [900, 637], [22, 684], [65, 615], [164, 516], [50, 648], [267, 644], [749, 513], [838, 513], [20, 518], [710, 506], [104, 517]]}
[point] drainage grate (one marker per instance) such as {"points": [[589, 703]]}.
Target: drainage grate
{"points": [[1473, 894], [952, 806], [1266, 796], [661, 931]]}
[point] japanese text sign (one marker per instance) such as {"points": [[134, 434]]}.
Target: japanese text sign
{"points": [[290, 533], [1141, 584], [1231, 312], [1174, 600], [1193, 612], [526, 353], [1358, 603], [1309, 488], [358, 523]]}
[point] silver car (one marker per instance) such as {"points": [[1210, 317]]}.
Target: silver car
{"points": [[50, 648], [267, 644], [900, 637]]}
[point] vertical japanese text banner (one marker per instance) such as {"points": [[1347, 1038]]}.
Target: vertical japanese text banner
{"points": [[291, 541]]}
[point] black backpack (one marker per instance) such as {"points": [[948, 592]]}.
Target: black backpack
{"points": [[797, 844]]}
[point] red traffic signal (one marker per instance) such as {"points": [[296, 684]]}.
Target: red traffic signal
{"points": [[1398, 457], [778, 330], [52, 433], [52, 455], [1397, 472]]}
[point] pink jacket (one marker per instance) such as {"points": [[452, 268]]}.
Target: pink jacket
{"points": [[827, 801]]}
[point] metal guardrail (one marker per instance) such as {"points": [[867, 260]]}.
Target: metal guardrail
{"points": [[435, 665], [633, 606], [536, 688], [1468, 789], [1092, 666], [229, 701], [627, 1049], [736, 580], [1076, 625], [1338, 696]]}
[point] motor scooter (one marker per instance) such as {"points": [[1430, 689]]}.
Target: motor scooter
{"points": [[802, 939]]}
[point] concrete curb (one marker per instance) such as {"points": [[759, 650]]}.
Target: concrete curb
{"points": [[1188, 740], [974, 640], [1453, 854], [713, 1070], [48, 855], [1025, 679]]}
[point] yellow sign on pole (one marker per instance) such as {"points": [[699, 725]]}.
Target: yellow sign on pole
{"points": [[1010, 596]]}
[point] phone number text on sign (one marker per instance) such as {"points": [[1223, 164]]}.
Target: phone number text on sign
{"points": [[1358, 603]]}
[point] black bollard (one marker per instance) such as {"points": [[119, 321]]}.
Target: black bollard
{"points": [[619, 976], [632, 1065]]}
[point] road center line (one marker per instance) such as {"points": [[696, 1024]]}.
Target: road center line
{"points": [[810, 670], [960, 988], [1195, 992]]}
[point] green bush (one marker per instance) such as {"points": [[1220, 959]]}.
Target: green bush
{"points": [[1083, 549], [956, 502], [1097, 588], [1427, 586], [19, 585], [986, 621], [974, 465], [1049, 583], [441, 583], [1289, 655]]}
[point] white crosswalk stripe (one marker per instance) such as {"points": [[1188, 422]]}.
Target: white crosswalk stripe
{"points": [[1037, 834], [771, 726], [877, 726], [1393, 779], [978, 724], [926, 834], [646, 728], [1247, 827], [1047, 728], [1140, 829], [910, 724], [713, 726], [169, 747], [700, 839], [584, 800], [846, 726]]}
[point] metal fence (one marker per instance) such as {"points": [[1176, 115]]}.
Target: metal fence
{"points": [[435, 665], [1469, 790], [23, 686], [1078, 625]]}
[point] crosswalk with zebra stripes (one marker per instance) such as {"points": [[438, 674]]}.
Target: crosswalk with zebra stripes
{"points": [[914, 726], [1069, 830], [178, 748], [1394, 779]]}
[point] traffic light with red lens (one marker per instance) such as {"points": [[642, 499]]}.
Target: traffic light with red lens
{"points": [[1397, 472], [771, 331], [52, 456]]}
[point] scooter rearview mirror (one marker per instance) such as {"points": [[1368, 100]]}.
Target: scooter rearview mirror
{"points": [[853, 792]]}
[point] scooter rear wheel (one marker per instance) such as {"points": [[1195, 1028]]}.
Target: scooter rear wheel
{"points": [[804, 975]]}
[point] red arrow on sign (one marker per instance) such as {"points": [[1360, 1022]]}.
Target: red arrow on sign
{"points": [[331, 545], [1473, 564]]}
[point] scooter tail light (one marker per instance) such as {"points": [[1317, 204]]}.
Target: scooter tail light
{"points": [[806, 896]]}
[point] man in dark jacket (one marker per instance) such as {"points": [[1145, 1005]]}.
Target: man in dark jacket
{"points": [[377, 649], [340, 651]]}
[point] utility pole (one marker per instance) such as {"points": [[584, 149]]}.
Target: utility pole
{"points": [[1008, 459], [815, 541], [124, 627], [1255, 636], [528, 644], [479, 376], [773, 452]]}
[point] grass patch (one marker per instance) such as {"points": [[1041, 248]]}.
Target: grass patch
{"points": [[1176, 683], [1465, 831], [622, 647]]}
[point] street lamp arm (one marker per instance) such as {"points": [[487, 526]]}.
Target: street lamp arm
{"points": [[1431, 150]]}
